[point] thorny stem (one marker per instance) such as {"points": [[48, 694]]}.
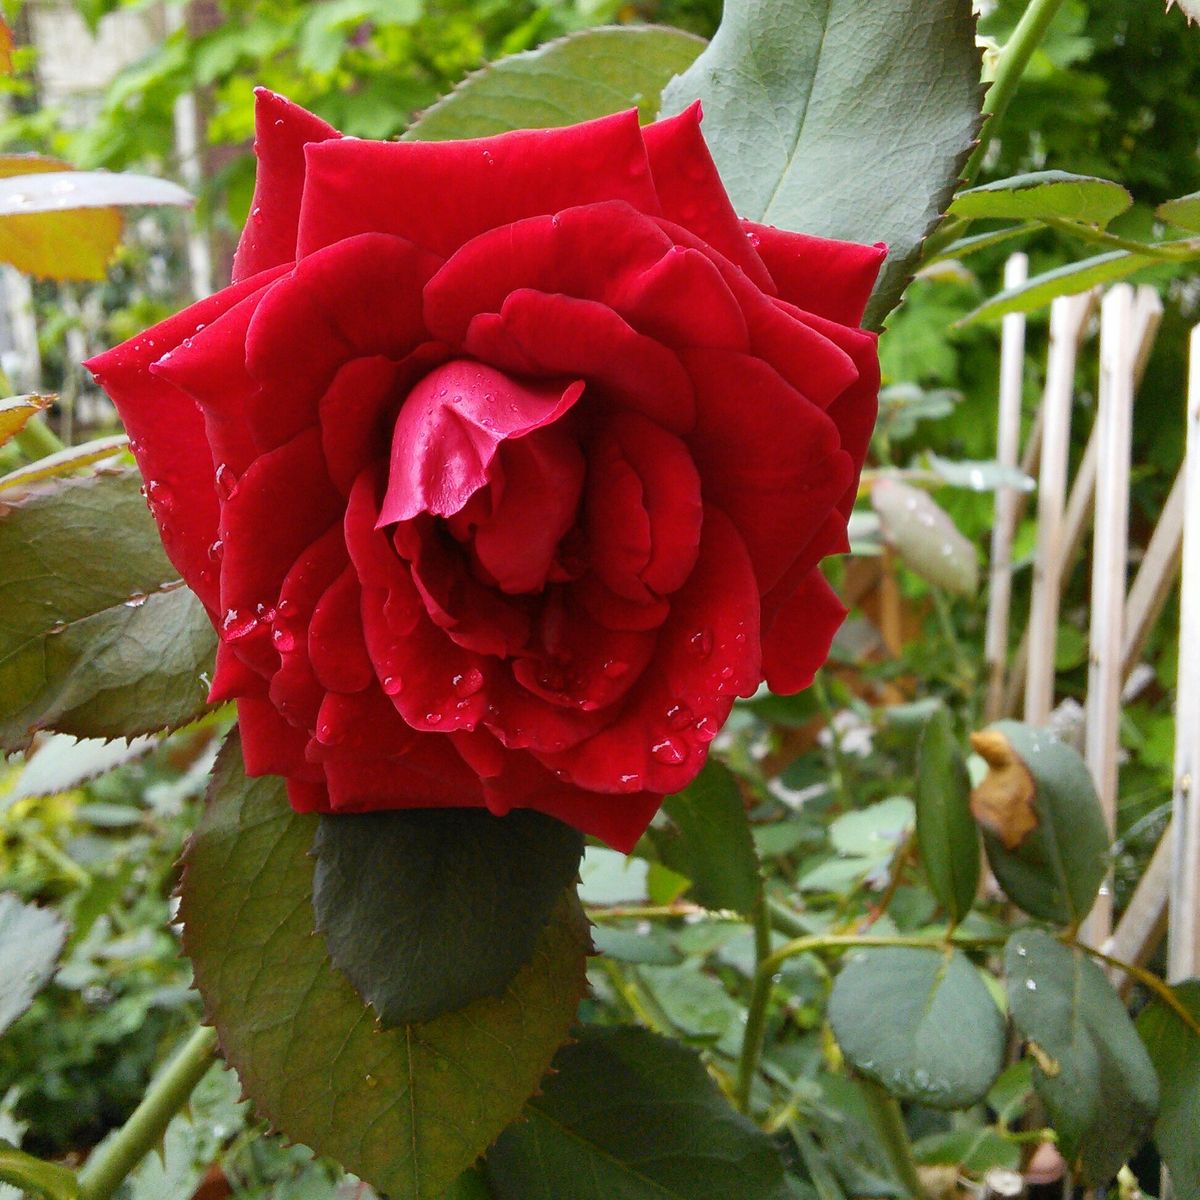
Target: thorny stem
{"points": [[111, 1162]]}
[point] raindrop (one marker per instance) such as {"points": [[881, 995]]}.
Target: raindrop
{"points": [[392, 684], [614, 668], [701, 643], [630, 782], [1030, 985], [226, 481], [237, 625], [706, 729], [679, 717], [328, 733], [283, 638], [669, 751], [216, 550], [57, 628], [286, 608], [136, 600], [469, 682], [433, 718]]}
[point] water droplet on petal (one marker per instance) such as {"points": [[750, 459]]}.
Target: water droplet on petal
{"points": [[631, 782], [679, 716], [701, 643], [392, 684], [285, 608], [284, 639], [237, 625], [614, 668], [705, 729], [216, 550], [670, 751], [226, 481], [433, 718], [469, 682]]}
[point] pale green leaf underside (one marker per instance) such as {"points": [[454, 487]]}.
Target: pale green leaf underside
{"points": [[848, 119], [31, 939], [408, 1108]]}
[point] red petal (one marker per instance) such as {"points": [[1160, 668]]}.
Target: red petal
{"points": [[707, 652], [281, 131], [692, 194], [450, 428], [820, 275], [797, 642], [270, 746], [540, 334], [168, 438], [771, 460], [486, 183], [335, 640]]}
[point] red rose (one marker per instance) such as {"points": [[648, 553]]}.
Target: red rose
{"points": [[504, 465]]}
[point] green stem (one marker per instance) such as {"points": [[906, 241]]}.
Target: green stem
{"points": [[756, 1018], [1180, 250], [35, 1177], [889, 1123], [113, 1160], [37, 439], [1014, 58]]}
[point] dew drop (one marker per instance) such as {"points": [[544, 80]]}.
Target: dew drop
{"points": [[469, 682], [631, 782], [328, 733], [369, 1080], [56, 628], [1031, 985], [614, 668], [284, 639], [705, 729], [701, 643], [669, 751], [392, 684], [136, 600], [226, 481], [679, 716], [433, 718], [285, 608], [216, 550], [237, 625]]}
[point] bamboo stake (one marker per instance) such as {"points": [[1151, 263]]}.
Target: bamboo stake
{"points": [[1068, 319], [1183, 937], [1147, 317], [1008, 446], [1155, 577], [1114, 422], [1144, 920]]}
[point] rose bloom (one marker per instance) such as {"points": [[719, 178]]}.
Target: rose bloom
{"points": [[504, 465]]}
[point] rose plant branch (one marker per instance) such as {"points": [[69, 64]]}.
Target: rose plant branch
{"points": [[113, 1160]]}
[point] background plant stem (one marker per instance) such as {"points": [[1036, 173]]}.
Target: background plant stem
{"points": [[113, 1160], [893, 1137]]}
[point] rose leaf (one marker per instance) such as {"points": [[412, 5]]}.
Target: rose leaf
{"points": [[848, 119], [426, 910], [629, 1114], [921, 1023], [1092, 1072], [16, 412], [1043, 829], [407, 1109], [99, 637], [576, 78], [31, 939]]}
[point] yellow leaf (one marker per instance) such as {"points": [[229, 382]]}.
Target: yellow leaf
{"points": [[16, 411], [1004, 803]]}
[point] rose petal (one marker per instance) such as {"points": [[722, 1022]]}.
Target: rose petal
{"points": [[692, 194], [281, 131], [771, 460], [797, 642], [707, 653], [352, 187], [829, 278], [538, 334], [450, 428], [167, 437], [270, 746], [335, 641]]}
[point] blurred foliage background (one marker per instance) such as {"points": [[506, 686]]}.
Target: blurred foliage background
{"points": [[1114, 91]]}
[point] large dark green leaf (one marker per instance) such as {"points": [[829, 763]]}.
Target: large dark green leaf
{"points": [[98, 637], [1092, 1073], [920, 1022], [710, 843], [1044, 194], [394, 890], [31, 939], [946, 832], [578, 77], [846, 118], [630, 1116], [1175, 1051], [408, 1109], [1042, 825]]}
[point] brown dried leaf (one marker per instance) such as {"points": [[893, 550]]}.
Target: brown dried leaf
{"points": [[1005, 803]]}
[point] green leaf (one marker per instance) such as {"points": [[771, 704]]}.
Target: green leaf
{"points": [[407, 1109], [964, 247], [919, 1022], [1175, 1052], [711, 843], [98, 637], [1184, 212], [65, 462], [35, 1176], [973, 1150], [393, 890], [31, 939], [63, 762], [470, 1185], [845, 118], [1069, 280], [575, 78], [1043, 828], [925, 537], [630, 1116], [1044, 194], [946, 833], [980, 475], [1093, 1073]]}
